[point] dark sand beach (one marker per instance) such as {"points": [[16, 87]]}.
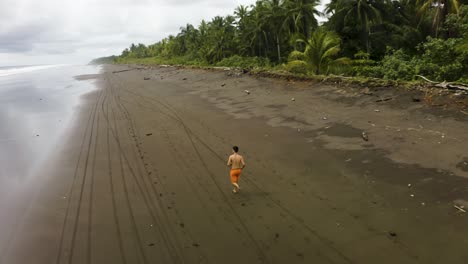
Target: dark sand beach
{"points": [[139, 175]]}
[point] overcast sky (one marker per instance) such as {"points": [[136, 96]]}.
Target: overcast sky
{"points": [[76, 31]]}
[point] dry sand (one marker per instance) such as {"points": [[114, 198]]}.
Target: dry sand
{"points": [[142, 176]]}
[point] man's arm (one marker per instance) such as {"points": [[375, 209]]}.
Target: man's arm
{"points": [[229, 161], [243, 163]]}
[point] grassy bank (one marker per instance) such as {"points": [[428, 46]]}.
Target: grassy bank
{"points": [[252, 66]]}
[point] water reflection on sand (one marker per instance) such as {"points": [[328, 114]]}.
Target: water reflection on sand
{"points": [[35, 109]]}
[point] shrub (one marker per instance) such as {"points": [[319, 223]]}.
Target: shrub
{"points": [[297, 55], [369, 71], [398, 66], [442, 60], [438, 60], [426, 69], [451, 72], [244, 62], [363, 66], [297, 67]]}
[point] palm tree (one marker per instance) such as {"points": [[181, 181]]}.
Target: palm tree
{"points": [[364, 12], [256, 30], [242, 15], [332, 7], [302, 14], [442, 9], [218, 39], [188, 37], [241, 12], [322, 48], [275, 17]]}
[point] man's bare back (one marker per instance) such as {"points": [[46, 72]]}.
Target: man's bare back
{"points": [[236, 161]]}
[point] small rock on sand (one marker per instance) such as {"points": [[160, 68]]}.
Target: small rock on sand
{"points": [[461, 205], [366, 91], [365, 136]]}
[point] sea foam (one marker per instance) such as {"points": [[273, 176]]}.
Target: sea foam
{"points": [[11, 70]]}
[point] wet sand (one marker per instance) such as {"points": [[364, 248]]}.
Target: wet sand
{"points": [[141, 177]]}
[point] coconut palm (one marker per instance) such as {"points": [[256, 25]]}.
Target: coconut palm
{"points": [[241, 13], [302, 14], [257, 30], [364, 12], [321, 51], [275, 16], [220, 38], [441, 9], [242, 16]]}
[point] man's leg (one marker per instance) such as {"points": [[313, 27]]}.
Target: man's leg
{"points": [[234, 180], [235, 184]]}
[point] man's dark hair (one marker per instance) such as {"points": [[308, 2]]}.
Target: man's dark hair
{"points": [[235, 148]]}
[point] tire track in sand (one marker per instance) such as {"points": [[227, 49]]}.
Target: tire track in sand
{"points": [[173, 249], [111, 183], [175, 258], [89, 129], [256, 243]]}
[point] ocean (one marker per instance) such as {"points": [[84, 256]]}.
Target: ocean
{"points": [[37, 104], [12, 70]]}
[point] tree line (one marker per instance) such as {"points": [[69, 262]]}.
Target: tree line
{"points": [[392, 39]]}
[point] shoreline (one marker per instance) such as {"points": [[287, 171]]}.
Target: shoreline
{"points": [[27, 200]]}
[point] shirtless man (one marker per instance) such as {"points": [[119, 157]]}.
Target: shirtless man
{"points": [[236, 162]]}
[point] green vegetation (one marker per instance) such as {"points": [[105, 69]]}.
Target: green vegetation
{"points": [[388, 39], [103, 60]]}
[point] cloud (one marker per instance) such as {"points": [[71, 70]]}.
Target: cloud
{"points": [[70, 31], [23, 37]]}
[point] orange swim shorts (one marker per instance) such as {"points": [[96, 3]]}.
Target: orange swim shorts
{"points": [[235, 174]]}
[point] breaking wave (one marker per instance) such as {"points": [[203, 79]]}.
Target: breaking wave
{"points": [[11, 70]]}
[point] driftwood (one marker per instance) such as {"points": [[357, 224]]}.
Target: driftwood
{"points": [[444, 84], [132, 69], [460, 208]]}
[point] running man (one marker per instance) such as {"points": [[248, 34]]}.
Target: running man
{"points": [[236, 162]]}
